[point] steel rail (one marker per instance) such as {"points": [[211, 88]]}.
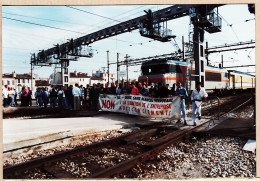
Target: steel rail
{"points": [[15, 171], [126, 165]]}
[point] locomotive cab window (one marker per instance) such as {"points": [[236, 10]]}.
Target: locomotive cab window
{"points": [[160, 69]]}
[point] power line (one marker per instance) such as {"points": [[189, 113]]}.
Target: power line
{"points": [[44, 19], [42, 25], [19, 48], [69, 30], [61, 29], [117, 17], [230, 25], [93, 13], [125, 17]]}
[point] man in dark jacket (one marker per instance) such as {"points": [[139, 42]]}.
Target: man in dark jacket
{"points": [[94, 95], [162, 91]]}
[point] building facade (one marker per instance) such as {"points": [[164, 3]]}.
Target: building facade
{"points": [[17, 81], [79, 78], [82, 78]]}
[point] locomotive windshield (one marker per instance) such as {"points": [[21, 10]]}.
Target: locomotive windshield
{"points": [[160, 69]]}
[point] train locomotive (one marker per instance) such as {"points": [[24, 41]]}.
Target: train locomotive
{"points": [[216, 79]]}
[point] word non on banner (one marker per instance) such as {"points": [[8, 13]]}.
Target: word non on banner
{"points": [[141, 105]]}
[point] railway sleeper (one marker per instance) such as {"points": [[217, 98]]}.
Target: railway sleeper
{"points": [[133, 138], [57, 172]]}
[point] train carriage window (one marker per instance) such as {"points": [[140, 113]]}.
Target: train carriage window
{"points": [[202, 66], [212, 76]]}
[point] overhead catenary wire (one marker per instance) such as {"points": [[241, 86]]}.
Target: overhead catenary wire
{"points": [[59, 28], [121, 19], [70, 30], [122, 14], [47, 26], [230, 25], [93, 13], [46, 19]]}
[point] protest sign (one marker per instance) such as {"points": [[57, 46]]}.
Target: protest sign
{"points": [[142, 105]]}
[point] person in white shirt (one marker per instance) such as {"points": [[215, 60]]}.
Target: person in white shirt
{"points": [[76, 94], [197, 96], [12, 96], [5, 95]]}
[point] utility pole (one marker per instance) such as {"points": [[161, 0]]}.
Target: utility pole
{"points": [[207, 55], [126, 67], [198, 50], [183, 59], [183, 48], [118, 67], [31, 74], [222, 61], [108, 65], [61, 71]]}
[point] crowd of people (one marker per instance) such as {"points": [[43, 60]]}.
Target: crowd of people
{"points": [[80, 98], [9, 96]]}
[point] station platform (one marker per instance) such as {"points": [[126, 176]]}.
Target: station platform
{"points": [[22, 133]]}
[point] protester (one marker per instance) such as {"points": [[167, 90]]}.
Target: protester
{"points": [[53, 98], [112, 89], [87, 96], [162, 91], [119, 89], [139, 87], [29, 97], [5, 95], [100, 87], [144, 91], [24, 94], [76, 94], [39, 96], [81, 94], [36, 98], [15, 97], [12, 94], [127, 89], [94, 95], [105, 89], [46, 96], [134, 90], [181, 91], [173, 90], [62, 102], [197, 96], [9, 100], [69, 97], [152, 91]]}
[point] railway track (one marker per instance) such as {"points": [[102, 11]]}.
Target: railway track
{"points": [[109, 158], [104, 159], [227, 105]]}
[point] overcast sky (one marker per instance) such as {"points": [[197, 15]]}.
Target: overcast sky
{"points": [[20, 39]]}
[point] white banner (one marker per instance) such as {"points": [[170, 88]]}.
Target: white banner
{"points": [[142, 105]]}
